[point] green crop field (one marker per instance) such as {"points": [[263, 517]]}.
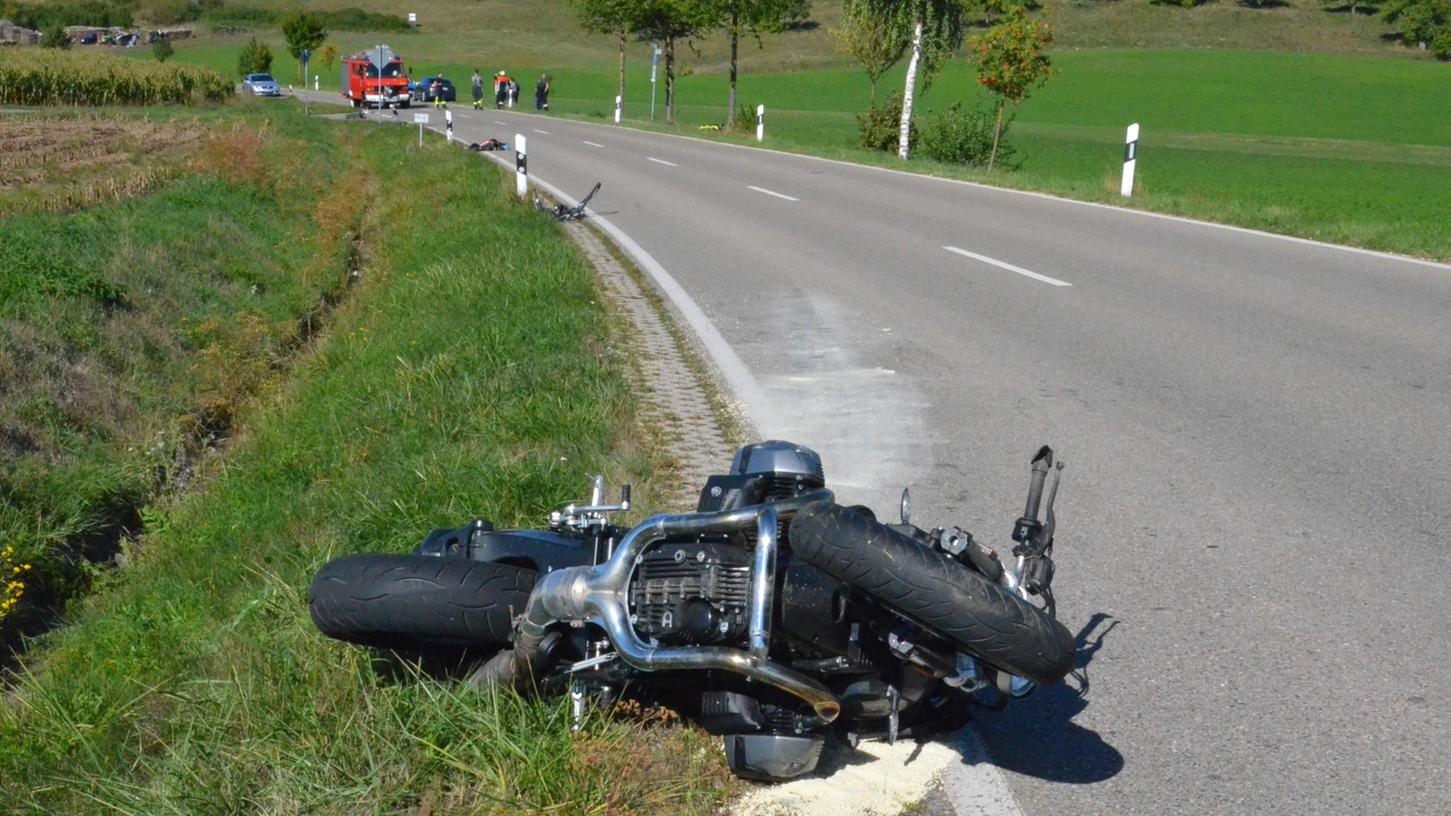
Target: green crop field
{"points": [[466, 373]]}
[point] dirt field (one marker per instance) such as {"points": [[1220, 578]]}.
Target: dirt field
{"points": [[56, 164]]}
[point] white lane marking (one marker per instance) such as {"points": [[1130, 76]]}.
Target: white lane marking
{"points": [[500, 122], [544, 132], [1373, 253], [662, 161], [974, 785], [1005, 265], [593, 144], [770, 192]]}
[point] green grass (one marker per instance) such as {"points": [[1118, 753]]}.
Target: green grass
{"points": [[469, 373], [130, 330]]}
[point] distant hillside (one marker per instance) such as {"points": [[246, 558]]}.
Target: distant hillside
{"points": [[520, 34]]}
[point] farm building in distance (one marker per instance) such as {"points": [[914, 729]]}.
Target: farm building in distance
{"points": [[12, 34]]}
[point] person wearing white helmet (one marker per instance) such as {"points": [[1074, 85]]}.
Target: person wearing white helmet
{"points": [[501, 88]]}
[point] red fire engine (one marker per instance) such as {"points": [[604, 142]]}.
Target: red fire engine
{"points": [[375, 78]]}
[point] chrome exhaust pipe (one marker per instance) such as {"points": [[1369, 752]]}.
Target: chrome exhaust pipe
{"points": [[599, 595]]}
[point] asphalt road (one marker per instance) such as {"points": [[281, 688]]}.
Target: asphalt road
{"points": [[1253, 521]]}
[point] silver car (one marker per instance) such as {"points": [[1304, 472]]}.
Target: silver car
{"points": [[260, 85]]}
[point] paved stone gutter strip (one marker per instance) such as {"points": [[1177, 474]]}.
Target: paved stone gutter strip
{"points": [[680, 403]]}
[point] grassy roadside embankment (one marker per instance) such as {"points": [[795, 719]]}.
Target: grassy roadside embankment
{"points": [[470, 372], [1292, 120], [156, 270]]}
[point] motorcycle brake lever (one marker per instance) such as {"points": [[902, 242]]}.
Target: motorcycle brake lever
{"points": [[1045, 536]]}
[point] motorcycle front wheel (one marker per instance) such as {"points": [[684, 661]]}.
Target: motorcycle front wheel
{"points": [[956, 602]]}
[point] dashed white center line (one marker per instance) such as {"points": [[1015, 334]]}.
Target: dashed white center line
{"points": [[1005, 265], [543, 132], [500, 122], [662, 161], [593, 144], [771, 192]]}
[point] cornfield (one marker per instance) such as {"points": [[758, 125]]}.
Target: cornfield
{"points": [[32, 76]]}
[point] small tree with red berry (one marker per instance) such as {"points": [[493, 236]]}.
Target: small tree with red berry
{"points": [[1011, 62]]}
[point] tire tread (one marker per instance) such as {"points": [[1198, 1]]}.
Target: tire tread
{"points": [[937, 592]]}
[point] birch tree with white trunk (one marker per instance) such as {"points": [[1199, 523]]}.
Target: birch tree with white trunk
{"points": [[934, 29]]}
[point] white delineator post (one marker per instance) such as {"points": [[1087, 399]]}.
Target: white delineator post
{"points": [[1131, 156], [760, 123], [421, 119], [521, 166], [314, 82], [619, 102], [448, 124]]}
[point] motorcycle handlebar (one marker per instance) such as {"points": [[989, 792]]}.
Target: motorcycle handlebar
{"points": [[1042, 463]]}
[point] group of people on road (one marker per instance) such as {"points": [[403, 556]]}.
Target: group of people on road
{"points": [[506, 91]]}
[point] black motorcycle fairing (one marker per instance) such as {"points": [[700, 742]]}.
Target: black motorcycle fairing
{"points": [[541, 550]]}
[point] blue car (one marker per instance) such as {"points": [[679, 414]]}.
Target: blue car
{"points": [[260, 85]]}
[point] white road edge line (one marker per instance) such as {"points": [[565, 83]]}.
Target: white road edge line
{"points": [[738, 377], [592, 144], [1374, 253], [1005, 265], [988, 786], [770, 192], [662, 161], [544, 132]]}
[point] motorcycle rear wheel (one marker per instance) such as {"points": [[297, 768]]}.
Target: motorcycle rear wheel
{"points": [[952, 600], [414, 601]]}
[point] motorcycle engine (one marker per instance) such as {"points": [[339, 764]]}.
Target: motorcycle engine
{"points": [[692, 593], [699, 591]]}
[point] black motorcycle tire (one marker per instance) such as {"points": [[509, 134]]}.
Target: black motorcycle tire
{"points": [[416, 601], [929, 587]]}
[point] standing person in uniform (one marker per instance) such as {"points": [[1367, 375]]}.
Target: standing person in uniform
{"points": [[541, 93], [513, 93], [501, 89], [478, 89], [437, 89]]}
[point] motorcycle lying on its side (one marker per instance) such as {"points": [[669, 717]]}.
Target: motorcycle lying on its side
{"points": [[772, 615]]}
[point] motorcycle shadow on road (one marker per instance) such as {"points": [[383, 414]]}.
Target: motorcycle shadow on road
{"points": [[1037, 736]]}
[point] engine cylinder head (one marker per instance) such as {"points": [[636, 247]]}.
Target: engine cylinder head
{"points": [[781, 458]]}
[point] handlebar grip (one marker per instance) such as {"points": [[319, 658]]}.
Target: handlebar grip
{"points": [[1042, 463]]}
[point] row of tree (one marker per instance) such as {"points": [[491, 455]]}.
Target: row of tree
{"points": [[303, 31], [670, 22]]}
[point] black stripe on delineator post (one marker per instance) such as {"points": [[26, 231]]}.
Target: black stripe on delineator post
{"points": [[1131, 155], [521, 165]]}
